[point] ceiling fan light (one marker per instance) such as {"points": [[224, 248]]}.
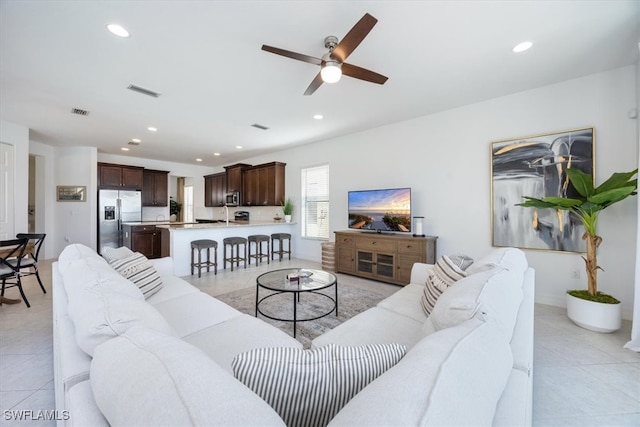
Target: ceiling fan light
{"points": [[331, 72]]}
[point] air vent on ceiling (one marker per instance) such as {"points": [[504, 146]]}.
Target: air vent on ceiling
{"points": [[133, 143], [79, 112], [143, 91], [258, 126]]}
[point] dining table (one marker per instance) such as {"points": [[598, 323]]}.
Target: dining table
{"points": [[5, 251]]}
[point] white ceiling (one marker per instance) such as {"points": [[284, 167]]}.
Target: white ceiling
{"points": [[204, 58]]}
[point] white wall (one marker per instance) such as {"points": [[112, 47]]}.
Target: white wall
{"points": [[18, 136], [75, 222], [445, 158]]}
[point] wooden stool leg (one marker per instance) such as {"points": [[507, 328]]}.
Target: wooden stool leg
{"points": [[199, 262], [191, 261], [215, 260], [208, 260]]}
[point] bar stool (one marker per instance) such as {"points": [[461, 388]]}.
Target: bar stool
{"points": [[281, 237], [234, 243], [258, 240], [199, 245]]}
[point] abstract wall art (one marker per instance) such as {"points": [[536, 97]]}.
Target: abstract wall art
{"points": [[535, 166]]}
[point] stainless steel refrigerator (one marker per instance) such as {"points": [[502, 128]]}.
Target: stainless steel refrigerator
{"points": [[114, 208]]}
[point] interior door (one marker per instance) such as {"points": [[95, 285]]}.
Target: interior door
{"points": [[7, 174]]}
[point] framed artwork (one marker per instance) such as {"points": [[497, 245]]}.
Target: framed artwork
{"points": [[71, 193], [535, 166]]}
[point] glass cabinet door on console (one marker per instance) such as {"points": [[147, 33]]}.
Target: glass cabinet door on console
{"points": [[375, 264]]}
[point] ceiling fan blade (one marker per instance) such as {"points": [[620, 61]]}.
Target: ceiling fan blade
{"points": [[363, 74], [315, 84], [293, 55], [354, 37]]}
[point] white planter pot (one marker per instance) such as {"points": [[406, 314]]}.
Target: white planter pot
{"points": [[287, 218], [594, 316]]}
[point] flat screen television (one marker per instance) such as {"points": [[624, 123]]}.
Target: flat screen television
{"points": [[386, 210]]}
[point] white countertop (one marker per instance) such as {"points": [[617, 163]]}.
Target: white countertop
{"points": [[195, 226]]}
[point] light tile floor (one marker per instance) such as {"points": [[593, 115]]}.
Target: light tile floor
{"points": [[581, 378]]}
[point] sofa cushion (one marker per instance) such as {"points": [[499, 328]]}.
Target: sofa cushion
{"points": [[145, 377], [174, 287], [223, 341], [140, 271], [493, 295], [406, 302], [84, 411], [308, 387], [112, 254], [445, 273], [376, 325], [452, 377], [193, 312], [100, 314]]}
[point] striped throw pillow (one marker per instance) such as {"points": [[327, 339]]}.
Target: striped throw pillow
{"points": [[112, 254], [308, 387], [444, 273], [138, 269]]}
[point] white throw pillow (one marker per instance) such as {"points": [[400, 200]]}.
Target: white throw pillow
{"points": [[146, 378], [140, 271], [112, 254], [492, 295], [309, 387], [100, 314], [444, 273]]}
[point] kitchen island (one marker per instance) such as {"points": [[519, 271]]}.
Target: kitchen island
{"points": [[177, 238]]}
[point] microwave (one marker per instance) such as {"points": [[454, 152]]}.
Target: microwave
{"points": [[232, 198]]}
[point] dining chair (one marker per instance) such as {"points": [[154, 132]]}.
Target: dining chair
{"points": [[30, 259], [11, 254]]}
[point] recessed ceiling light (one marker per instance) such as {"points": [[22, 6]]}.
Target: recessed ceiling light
{"points": [[152, 129], [136, 140], [521, 47], [118, 30], [216, 154], [318, 116], [198, 160], [239, 147], [124, 149]]}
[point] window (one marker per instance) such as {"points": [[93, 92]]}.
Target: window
{"points": [[315, 202], [188, 203]]}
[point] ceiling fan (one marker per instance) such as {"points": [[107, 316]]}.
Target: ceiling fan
{"points": [[332, 63]]}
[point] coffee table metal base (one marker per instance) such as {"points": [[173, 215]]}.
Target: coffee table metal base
{"points": [[296, 291]]}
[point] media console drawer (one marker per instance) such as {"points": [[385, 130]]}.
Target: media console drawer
{"points": [[376, 244]]}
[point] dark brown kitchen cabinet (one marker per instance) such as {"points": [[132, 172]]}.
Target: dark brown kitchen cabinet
{"points": [[215, 188], [155, 188], [263, 185], [120, 176], [234, 176], [146, 239]]}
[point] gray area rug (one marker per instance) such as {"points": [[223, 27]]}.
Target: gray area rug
{"points": [[351, 301]]}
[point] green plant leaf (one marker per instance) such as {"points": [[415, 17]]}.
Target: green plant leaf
{"points": [[618, 179], [582, 182], [612, 196]]}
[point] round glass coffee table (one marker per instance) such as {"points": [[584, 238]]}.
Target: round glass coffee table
{"points": [[308, 282]]}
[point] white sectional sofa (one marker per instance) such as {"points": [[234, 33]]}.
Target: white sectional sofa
{"points": [[169, 360]]}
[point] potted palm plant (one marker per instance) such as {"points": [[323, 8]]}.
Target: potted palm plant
{"points": [[590, 308], [287, 209]]}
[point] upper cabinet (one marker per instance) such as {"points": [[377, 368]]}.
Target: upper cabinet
{"points": [[215, 188], [234, 176], [155, 188], [120, 176], [263, 185]]}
